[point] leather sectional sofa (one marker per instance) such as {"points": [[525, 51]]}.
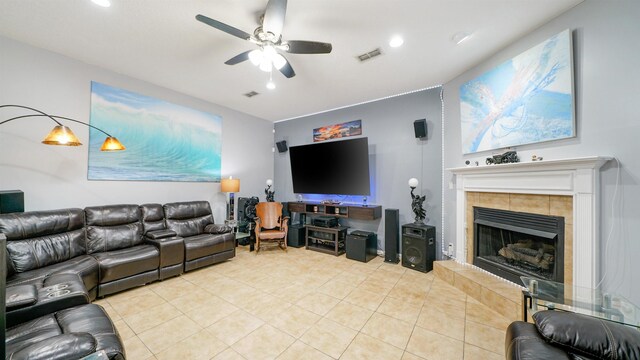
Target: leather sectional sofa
{"points": [[564, 335], [66, 258]]}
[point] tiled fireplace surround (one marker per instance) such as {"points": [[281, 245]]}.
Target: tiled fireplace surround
{"points": [[568, 188]]}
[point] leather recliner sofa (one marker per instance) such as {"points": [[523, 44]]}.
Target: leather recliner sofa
{"points": [[564, 335], [111, 247], [205, 242], [62, 258]]}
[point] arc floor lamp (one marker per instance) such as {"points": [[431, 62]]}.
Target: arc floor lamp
{"points": [[62, 135]]}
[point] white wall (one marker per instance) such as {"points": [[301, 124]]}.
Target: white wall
{"points": [[55, 177], [607, 85], [395, 155]]}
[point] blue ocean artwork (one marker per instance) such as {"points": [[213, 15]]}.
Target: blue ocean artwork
{"points": [[164, 141], [525, 100]]}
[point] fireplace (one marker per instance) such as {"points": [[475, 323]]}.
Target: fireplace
{"points": [[511, 244]]}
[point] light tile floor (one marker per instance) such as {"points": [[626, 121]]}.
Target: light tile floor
{"points": [[304, 305]]}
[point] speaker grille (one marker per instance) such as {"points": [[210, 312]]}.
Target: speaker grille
{"points": [[414, 255]]}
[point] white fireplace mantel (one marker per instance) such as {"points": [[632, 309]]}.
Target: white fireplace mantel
{"points": [[577, 177]]}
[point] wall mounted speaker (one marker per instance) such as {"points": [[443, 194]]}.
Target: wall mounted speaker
{"points": [[391, 235], [282, 146], [420, 128]]}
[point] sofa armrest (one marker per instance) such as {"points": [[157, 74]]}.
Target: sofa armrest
{"points": [[20, 296], [523, 342], [217, 229], [588, 336], [60, 347], [160, 234]]}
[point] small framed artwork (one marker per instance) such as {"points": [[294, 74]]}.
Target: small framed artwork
{"points": [[351, 128]]}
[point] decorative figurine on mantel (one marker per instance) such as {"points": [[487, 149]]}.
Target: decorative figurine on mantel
{"points": [[268, 191], [416, 203]]}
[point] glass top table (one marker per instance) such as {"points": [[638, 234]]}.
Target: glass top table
{"points": [[550, 295]]}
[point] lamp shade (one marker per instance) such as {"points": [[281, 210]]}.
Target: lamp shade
{"points": [[112, 144], [413, 182], [61, 135], [230, 185]]}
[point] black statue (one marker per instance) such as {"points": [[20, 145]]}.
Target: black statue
{"points": [[506, 158], [416, 206], [269, 193]]}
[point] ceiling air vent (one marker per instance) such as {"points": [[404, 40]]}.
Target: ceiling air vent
{"points": [[251, 94], [369, 55]]}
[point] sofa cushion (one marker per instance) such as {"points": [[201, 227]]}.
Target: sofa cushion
{"points": [[85, 266], [188, 218], [85, 319], [113, 227], [588, 336], [41, 238], [118, 264], [152, 217], [207, 244]]}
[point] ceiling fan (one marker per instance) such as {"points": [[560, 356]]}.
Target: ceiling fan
{"points": [[268, 36]]}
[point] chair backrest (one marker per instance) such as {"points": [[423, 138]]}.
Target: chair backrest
{"points": [[152, 217], [269, 214], [112, 227], [40, 238], [188, 218]]}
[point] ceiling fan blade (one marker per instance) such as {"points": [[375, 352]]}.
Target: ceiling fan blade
{"points": [[274, 17], [238, 58], [223, 27], [308, 47], [287, 70]]}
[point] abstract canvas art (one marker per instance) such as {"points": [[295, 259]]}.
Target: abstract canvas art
{"points": [[351, 128], [164, 141], [525, 100]]}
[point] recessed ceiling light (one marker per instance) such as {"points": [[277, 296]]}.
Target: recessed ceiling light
{"points": [[103, 3], [396, 41], [460, 37], [271, 85]]}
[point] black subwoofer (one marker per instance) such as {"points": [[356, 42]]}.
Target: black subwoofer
{"points": [[418, 246], [296, 236], [11, 201], [361, 245]]}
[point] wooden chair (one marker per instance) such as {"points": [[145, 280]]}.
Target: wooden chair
{"points": [[271, 226]]}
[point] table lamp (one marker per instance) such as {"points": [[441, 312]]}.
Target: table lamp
{"points": [[230, 186]]}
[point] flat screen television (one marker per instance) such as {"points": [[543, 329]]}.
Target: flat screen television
{"points": [[334, 167]]}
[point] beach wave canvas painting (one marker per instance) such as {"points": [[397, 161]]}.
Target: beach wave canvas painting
{"points": [[164, 141], [525, 100]]}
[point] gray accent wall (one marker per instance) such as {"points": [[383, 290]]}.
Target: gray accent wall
{"points": [[395, 155], [56, 176], [607, 90]]}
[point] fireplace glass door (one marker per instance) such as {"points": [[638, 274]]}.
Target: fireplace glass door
{"points": [[512, 244]]}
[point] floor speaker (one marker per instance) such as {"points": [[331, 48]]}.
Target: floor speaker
{"points": [[391, 235], [418, 246], [420, 128], [11, 201]]}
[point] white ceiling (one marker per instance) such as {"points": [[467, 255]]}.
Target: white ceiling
{"points": [[160, 41]]}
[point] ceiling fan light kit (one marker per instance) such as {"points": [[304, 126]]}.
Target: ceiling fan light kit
{"points": [[268, 36]]}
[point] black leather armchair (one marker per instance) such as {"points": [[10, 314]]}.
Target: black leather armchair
{"points": [[67, 334], [114, 238], [43, 243], [205, 242], [564, 335]]}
